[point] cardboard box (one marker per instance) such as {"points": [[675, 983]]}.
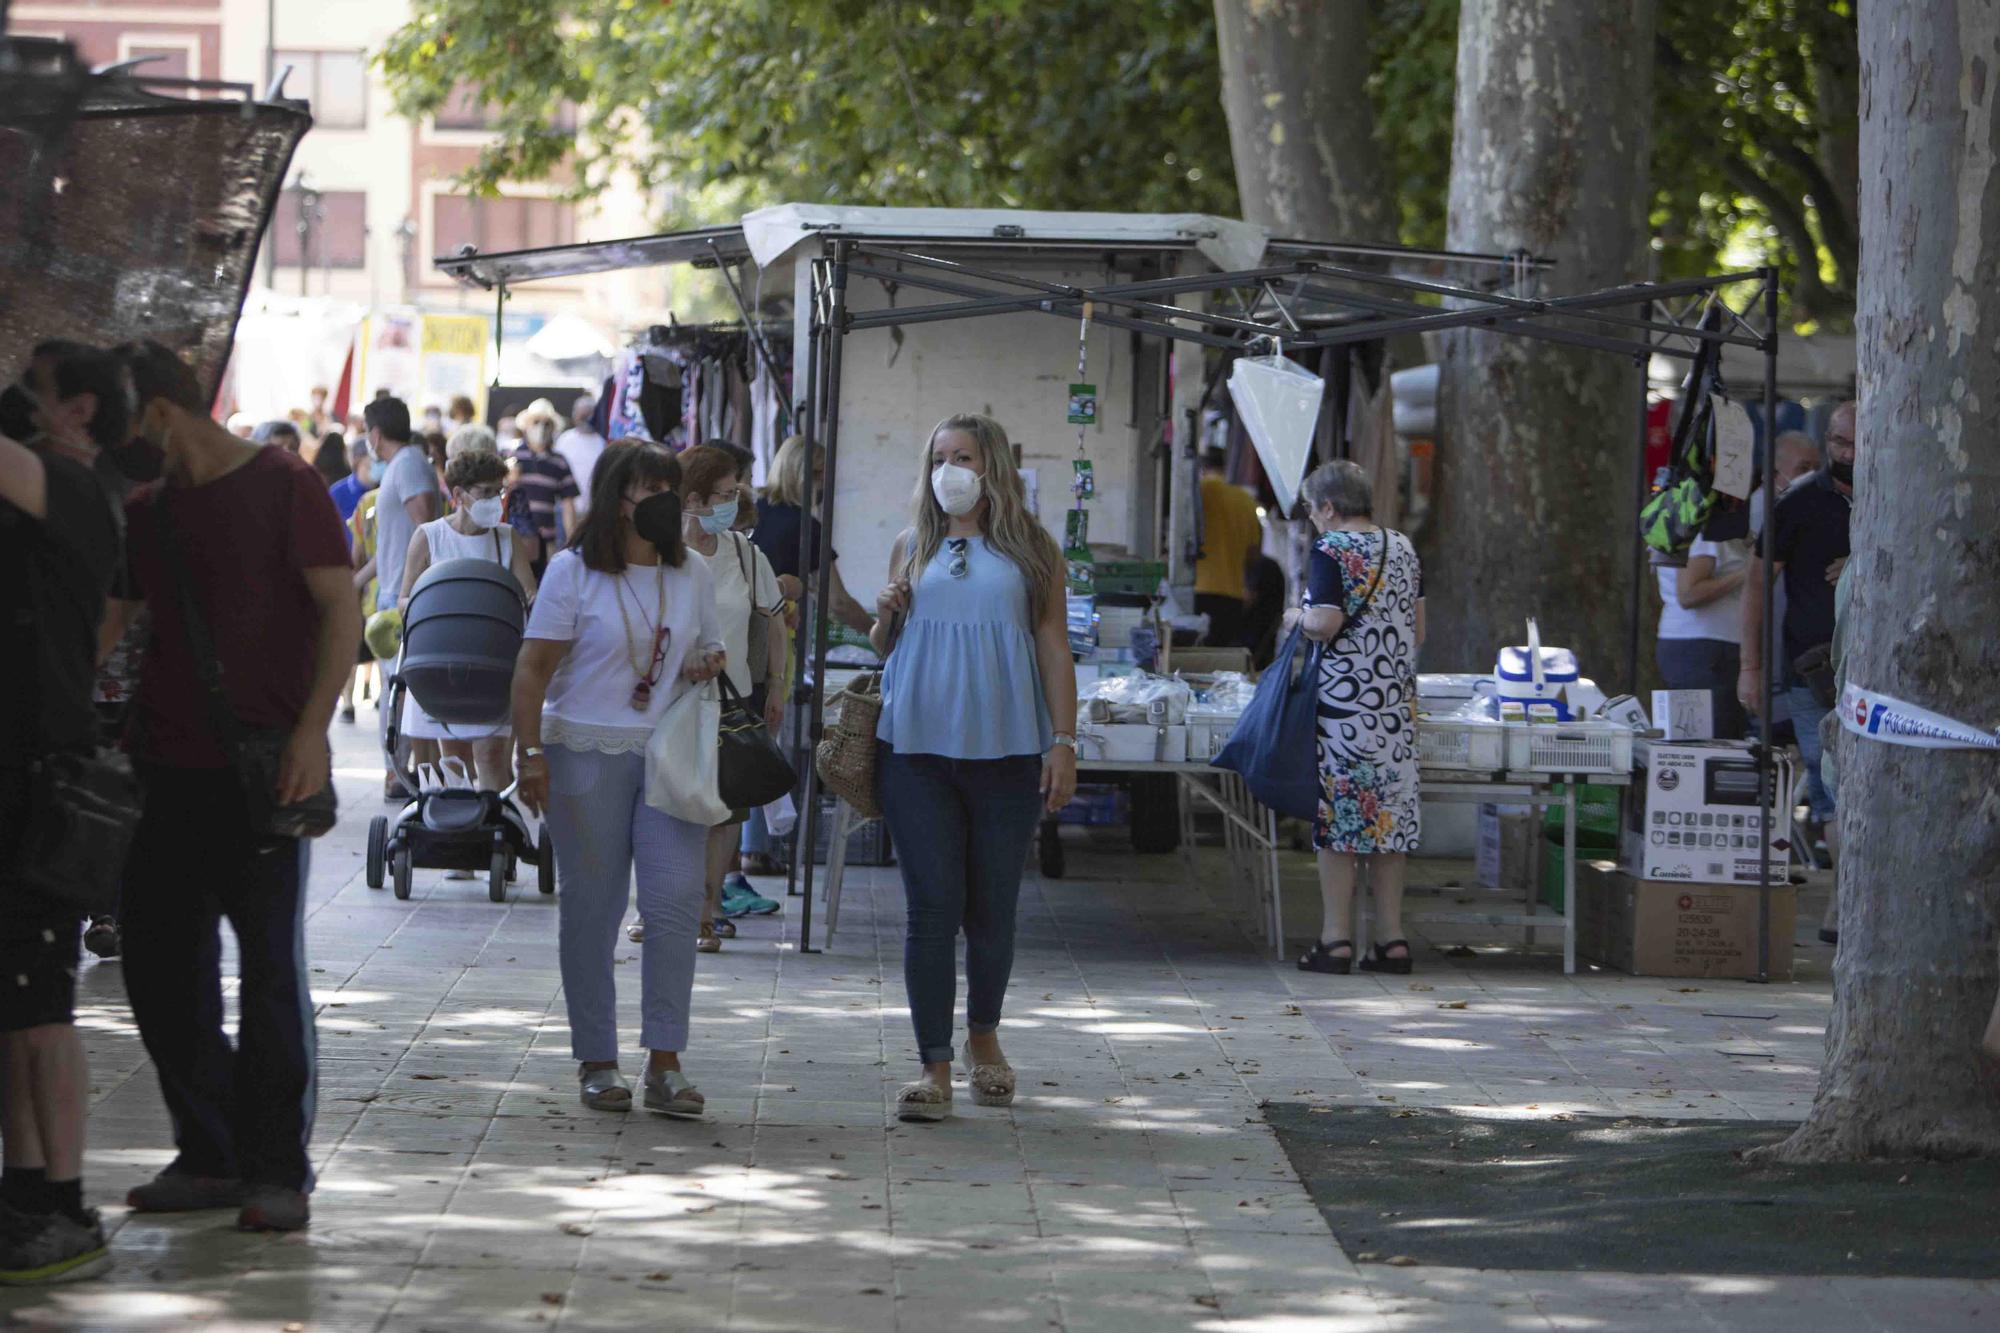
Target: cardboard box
{"points": [[1504, 855], [1684, 715], [1692, 815], [1655, 929]]}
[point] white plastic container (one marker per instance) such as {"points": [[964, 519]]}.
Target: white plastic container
{"points": [[1536, 675], [1461, 744], [1208, 731], [1131, 743], [1569, 747]]}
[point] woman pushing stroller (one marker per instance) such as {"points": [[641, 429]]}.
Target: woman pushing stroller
{"points": [[624, 617], [473, 530]]}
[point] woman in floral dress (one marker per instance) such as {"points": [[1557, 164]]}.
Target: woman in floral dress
{"points": [[1365, 606]]}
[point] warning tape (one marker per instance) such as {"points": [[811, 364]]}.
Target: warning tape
{"points": [[1880, 717]]}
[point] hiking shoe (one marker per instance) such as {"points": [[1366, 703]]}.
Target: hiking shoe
{"points": [[739, 899], [274, 1208], [54, 1248], [178, 1192], [102, 938]]}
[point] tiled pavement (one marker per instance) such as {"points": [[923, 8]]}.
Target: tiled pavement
{"points": [[1133, 1186]]}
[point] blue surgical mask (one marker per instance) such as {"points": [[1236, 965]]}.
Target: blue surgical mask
{"points": [[720, 519]]}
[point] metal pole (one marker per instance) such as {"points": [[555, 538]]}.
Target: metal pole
{"points": [[836, 327], [1768, 472], [801, 694], [1640, 560], [499, 334]]}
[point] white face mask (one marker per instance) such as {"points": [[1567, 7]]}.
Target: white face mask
{"points": [[956, 488], [486, 512]]}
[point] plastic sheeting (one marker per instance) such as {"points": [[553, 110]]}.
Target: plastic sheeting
{"points": [[141, 218]]}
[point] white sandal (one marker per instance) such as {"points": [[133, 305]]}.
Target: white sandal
{"points": [[668, 1093], [923, 1102], [992, 1085]]}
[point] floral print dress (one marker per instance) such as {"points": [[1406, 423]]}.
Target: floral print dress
{"points": [[1367, 684]]}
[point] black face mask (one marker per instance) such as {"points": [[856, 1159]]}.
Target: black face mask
{"points": [[657, 518], [1841, 472], [17, 414]]}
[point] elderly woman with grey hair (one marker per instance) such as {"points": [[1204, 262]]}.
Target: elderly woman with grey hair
{"points": [[470, 436], [1365, 606]]}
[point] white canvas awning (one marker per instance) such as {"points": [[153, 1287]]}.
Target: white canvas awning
{"points": [[771, 233]]}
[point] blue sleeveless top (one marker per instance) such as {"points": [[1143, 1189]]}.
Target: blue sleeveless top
{"points": [[962, 681]]}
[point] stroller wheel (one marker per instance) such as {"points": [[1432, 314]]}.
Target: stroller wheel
{"points": [[401, 867], [496, 879], [378, 849], [545, 862]]}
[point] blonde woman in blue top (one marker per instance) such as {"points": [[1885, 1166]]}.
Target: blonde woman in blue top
{"points": [[978, 740]]}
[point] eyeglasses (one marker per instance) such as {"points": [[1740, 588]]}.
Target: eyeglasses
{"points": [[960, 564]]}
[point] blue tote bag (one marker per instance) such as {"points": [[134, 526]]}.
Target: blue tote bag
{"points": [[1276, 744]]}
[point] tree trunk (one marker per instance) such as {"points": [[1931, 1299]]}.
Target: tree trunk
{"points": [[1301, 130], [1540, 452], [1914, 980]]}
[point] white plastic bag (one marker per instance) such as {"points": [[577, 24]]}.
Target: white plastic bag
{"points": [[681, 758], [781, 816]]}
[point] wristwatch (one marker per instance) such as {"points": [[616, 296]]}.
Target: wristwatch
{"points": [[1064, 738], [531, 752]]}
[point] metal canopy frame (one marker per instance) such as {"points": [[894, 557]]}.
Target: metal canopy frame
{"points": [[1637, 320]]}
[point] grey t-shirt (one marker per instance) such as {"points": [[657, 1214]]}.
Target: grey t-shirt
{"points": [[408, 476]]}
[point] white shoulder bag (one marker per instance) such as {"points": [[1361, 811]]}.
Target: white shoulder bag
{"points": [[681, 758]]}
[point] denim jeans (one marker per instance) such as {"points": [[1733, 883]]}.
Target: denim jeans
{"points": [[244, 1109], [961, 829], [604, 831], [1806, 714]]}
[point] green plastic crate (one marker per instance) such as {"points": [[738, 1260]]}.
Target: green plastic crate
{"points": [[1596, 818]]}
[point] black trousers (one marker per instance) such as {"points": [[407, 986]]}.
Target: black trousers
{"points": [[244, 1110]]}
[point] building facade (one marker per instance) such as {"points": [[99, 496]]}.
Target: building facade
{"points": [[371, 197]]}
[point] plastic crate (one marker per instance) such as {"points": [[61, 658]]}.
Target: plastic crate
{"points": [[1095, 806], [1140, 578], [1569, 747], [1469, 745]]}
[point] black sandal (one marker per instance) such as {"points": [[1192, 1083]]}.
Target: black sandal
{"points": [[1377, 958], [1321, 958]]}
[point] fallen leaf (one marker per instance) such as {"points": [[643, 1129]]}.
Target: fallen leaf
{"points": [[1181, 1075], [1452, 1004], [427, 1078], [1420, 986], [1368, 1257], [659, 1277], [1688, 990], [871, 1291], [1208, 1302], [1293, 1010], [552, 1298], [1562, 1115], [574, 1229], [1402, 1261]]}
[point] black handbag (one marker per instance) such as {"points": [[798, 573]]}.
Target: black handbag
{"points": [[256, 753], [82, 811], [751, 770]]}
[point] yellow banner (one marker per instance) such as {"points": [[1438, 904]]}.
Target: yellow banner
{"points": [[455, 335]]}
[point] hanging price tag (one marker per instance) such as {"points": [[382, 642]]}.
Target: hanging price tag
{"points": [[1083, 404], [1085, 482]]}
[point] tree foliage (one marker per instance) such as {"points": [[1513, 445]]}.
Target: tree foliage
{"points": [[1065, 104], [719, 105]]}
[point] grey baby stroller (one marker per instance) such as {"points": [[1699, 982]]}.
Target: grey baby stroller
{"points": [[461, 632]]}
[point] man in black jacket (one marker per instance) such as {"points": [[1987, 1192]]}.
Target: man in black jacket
{"points": [[59, 543]]}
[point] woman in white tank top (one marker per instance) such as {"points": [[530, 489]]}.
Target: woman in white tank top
{"points": [[474, 530]]}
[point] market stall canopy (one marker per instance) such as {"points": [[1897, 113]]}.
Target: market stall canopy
{"points": [[769, 235], [135, 205]]}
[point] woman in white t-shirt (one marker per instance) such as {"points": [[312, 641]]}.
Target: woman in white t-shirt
{"points": [[1701, 627], [624, 618], [746, 588], [473, 530]]}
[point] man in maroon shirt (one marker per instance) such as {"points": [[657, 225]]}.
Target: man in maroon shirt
{"points": [[265, 555]]}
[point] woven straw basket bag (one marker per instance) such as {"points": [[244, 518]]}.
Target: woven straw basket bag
{"points": [[846, 754]]}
